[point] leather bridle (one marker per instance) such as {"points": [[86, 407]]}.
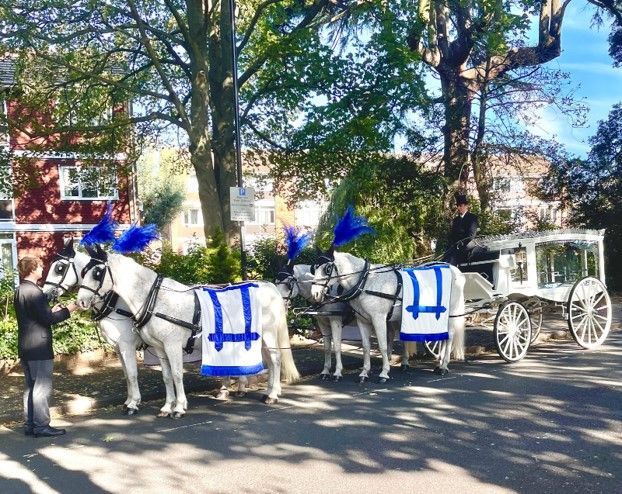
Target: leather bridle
{"points": [[67, 262]]}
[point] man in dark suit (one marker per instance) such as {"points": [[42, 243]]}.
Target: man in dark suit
{"points": [[463, 229], [34, 344]]}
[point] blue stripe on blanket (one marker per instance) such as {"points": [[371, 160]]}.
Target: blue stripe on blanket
{"points": [[218, 371]]}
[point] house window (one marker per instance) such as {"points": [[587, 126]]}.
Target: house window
{"points": [[6, 193], [502, 184], [264, 215], [193, 217], [88, 183]]}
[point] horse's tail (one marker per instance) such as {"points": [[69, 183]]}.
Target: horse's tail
{"points": [[457, 321], [289, 372]]}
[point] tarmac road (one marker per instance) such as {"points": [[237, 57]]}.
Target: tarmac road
{"points": [[550, 423]]}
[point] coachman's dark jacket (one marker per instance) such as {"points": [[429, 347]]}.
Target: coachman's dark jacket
{"points": [[463, 228], [34, 322]]}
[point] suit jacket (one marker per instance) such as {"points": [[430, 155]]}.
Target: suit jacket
{"points": [[461, 228], [34, 322]]}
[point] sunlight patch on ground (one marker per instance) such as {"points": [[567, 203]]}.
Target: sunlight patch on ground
{"points": [[21, 473], [345, 422], [606, 436], [396, 437], [495, 392]]}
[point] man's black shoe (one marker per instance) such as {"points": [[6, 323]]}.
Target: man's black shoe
{"points": [[49, 432]]}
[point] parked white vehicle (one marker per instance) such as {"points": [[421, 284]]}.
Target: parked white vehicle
{"points": [[510, 278]]}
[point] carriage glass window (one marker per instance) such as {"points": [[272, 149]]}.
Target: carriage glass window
{"points": [[565, 262], [519, 273]]}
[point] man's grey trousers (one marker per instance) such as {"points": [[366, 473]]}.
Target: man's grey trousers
{"points": [[37, 393]]}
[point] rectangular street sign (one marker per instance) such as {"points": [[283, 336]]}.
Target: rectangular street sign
{"points": [[242, 202]]}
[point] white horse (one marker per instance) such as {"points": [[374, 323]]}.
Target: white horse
{"points": [[136, 285], [116, 327], [299, 282], [374, 295]]}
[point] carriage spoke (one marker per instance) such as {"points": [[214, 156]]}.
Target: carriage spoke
{"points": [[602, 330]]}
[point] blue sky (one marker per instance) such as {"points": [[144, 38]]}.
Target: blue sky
{"points": [[585, 57]]}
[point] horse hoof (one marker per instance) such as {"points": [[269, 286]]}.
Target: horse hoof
{"points": [[363, 379], [164, 414], [240, 394], [383, 380], [131, 411], [270, 401], [444, 372], [324, 377], [337, 378], [222, 395], [177, 415], [437, 370]]}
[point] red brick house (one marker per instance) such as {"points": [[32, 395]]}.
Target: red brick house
{"points": [[62, 197]]}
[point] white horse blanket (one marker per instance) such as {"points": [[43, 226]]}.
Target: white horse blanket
{"points": [[426, 292], [231, 325]]}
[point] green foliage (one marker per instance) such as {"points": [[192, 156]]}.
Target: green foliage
{"points": [[402, 201], [77, 334], [593, 189], [224, 264], [265, 259], [216, 263], [8, 338], [160, 185]]}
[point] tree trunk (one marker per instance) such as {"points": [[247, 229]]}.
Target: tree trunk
{"points": [[223, 117], [458, 103]]}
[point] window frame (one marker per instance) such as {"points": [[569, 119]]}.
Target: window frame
{"points": [[80, 197]]}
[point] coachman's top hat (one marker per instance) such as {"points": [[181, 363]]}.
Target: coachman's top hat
{"points": [[461, 199]]}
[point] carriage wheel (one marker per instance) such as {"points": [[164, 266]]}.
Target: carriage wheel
{"points": [[589, 312], [433, 348], [512, 331]]}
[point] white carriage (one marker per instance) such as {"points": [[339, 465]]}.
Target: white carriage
{"points": [[511, 278]]}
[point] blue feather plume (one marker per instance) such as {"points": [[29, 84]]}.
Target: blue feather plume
{"points": [[295, 241], [349, 227], [103, 232], [135, 239]]}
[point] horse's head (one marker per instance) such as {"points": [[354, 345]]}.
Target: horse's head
{"points": [[63, 273], [96, 279], [286, 282], [325, 275]]}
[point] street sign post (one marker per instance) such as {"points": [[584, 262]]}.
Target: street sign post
{"points": [[242, 203]]}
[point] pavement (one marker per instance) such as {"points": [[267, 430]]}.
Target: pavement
{"points": [[88, 383]]}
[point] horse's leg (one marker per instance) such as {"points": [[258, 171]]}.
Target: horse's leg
{"points": [[365, 329], [223, 392], [272, 354], [336, 325], [456, 322], [175, 358], [167, 409], [380, 326], [327, 336], [242, 384], [127, 354]]}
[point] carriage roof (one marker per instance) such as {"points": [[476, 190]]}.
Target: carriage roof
{"points": [[568, 235]]}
